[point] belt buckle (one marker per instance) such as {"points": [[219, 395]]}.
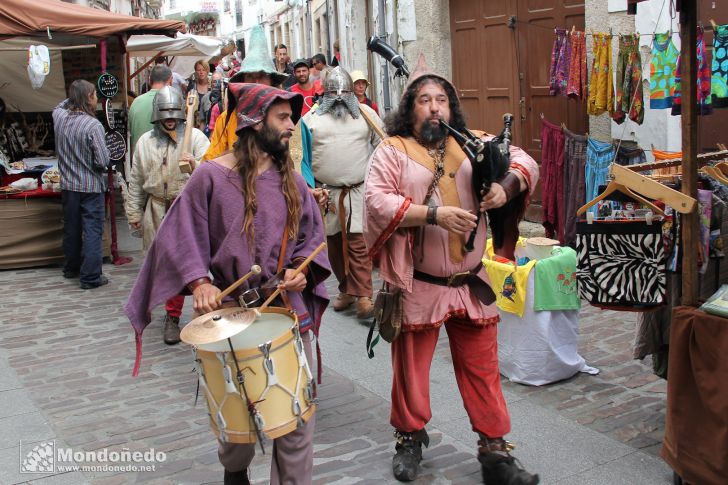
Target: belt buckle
{"points": [[249, 298], [458, 279]]}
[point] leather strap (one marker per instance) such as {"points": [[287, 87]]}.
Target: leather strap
{"points": [[192, 285], [457, 279], [284, 245], [511, 185]]}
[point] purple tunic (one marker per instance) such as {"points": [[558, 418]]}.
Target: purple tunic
{"points": [[202, 234]]}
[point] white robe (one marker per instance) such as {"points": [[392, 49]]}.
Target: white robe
{"points": [[148, 175], [340, 155]]}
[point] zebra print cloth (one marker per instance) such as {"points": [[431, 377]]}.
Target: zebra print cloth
{"points": [[621, 263]]}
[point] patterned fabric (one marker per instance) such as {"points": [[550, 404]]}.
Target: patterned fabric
{"points": [[552, 165], [574, 166], [629, 81], [600, 86], [81, 147], [629, 152], [560, 59], [703, 83], [599, 156], [662, 67], [719, 68], [621, 264], [253, 100], [577, 83]]}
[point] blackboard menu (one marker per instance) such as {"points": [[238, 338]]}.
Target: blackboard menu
{"points": [[108, 85], [116, 145]]}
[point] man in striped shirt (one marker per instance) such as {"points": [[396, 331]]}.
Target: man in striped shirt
{"points": [[82, 161]]}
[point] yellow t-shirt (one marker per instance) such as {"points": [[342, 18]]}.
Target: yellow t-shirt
{"points": [[509, 282]]}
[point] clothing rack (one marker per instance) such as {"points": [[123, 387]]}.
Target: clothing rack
{"points": [[676, 162]]}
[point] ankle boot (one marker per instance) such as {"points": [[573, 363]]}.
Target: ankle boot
{"points": [[171, 330], [408, 454], [498, 466], [236, 478]]}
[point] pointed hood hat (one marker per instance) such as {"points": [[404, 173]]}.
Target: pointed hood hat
{"points": [[257, 59], [253, 101], [422, 70]]}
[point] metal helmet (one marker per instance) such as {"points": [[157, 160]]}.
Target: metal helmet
{"points": [[168, 103], [338, 82]]}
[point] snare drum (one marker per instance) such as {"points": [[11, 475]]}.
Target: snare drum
{"points": [[277, 379]]}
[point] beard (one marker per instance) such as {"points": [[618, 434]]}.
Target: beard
{"points": [[430, 133], [269, 140], [340, 110]]}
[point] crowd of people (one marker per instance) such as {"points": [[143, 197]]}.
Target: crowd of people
{"points": [[284, 156]]}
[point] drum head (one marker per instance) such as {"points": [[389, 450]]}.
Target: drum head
{"points": [[265, 328]]}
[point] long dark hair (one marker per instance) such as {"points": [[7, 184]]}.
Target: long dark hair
{"points": [[401, 121], [246, 150], [78, 94]]}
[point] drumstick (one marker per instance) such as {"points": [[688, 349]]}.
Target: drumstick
{"points": [[255, 269], [295, 273]]}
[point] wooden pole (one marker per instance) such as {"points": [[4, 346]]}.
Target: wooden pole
{"points": [[690, 224]]}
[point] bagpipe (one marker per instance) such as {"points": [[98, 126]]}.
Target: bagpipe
{"points": [[490, 161]]}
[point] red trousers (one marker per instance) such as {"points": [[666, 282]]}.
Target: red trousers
{"points": [[174, 305], [474, 353]]}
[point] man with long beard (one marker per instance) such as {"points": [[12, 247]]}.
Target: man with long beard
{"points": [[420, 206], [244, 208], [343, 139], [156, 180]]}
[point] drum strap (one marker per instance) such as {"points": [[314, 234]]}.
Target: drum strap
{"points": [[281, 257]]}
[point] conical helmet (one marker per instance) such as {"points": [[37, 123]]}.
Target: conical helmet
{"points": [[168, 103], [258, 59], [338, 82]]}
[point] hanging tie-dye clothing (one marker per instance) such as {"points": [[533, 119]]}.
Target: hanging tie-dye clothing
{"points": [[577, 66], [719, 79], [600, 86], [599, 156], [662, 68], [560, 59], [703, 81], [629, 81]]}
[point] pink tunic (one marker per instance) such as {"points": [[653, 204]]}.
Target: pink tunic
{"points": [[394, 182]]}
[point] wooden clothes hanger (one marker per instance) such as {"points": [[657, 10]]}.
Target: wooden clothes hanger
{"points": [[723, 167], [616, 187], [631, 183], [715, 174]]}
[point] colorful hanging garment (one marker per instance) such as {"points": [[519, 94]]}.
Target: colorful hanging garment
{"points": [[703, 82], [552, 165], [574, 165], [599, 156], [629, 81], [560, 58], [719, 68], [576, 86], [629, 153], [662, 68], [600, 87]]}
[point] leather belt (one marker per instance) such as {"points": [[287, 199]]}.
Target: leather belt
{"points": [[344, 221], [480, 288], [454, 280]]}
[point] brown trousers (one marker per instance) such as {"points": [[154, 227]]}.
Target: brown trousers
{"points": [[292, 462], [359, 280]]}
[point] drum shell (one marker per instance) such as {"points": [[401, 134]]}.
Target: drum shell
{"points": [[276, 406]]}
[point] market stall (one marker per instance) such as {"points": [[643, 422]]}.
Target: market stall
{"points": [[73, 42]]}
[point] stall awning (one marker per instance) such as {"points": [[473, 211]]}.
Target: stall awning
{"points": [[21, 17], [182, 45]]}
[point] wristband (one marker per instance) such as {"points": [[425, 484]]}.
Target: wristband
{"points": [[192, 286], [511, 185], [432, 215]]}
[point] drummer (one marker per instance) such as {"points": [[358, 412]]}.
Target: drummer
{"points": [[247, 207]]}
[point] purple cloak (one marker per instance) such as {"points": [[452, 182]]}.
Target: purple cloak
{"points": [[202, 234]]}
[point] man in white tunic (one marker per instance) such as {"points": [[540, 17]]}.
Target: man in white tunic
{"points": [[156, 180], [342, 142]]}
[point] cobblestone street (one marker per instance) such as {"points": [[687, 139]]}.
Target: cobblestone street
{"points": [[66, 357]]}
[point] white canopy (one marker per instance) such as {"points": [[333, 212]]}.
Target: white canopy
{"points": [[182, 45]]}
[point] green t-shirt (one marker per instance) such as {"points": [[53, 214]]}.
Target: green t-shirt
{"points": [[140, 115], [555, 282]]}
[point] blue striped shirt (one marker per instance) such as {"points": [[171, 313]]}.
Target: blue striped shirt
{"points": [[81, 149]]}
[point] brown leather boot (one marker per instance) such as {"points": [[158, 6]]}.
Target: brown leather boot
{"points": [[171, 330], [364, 307], [343, 301]]}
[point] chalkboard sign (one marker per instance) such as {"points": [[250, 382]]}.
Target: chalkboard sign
{"points": [[109, 112], [108, 85], [116, 145]]}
